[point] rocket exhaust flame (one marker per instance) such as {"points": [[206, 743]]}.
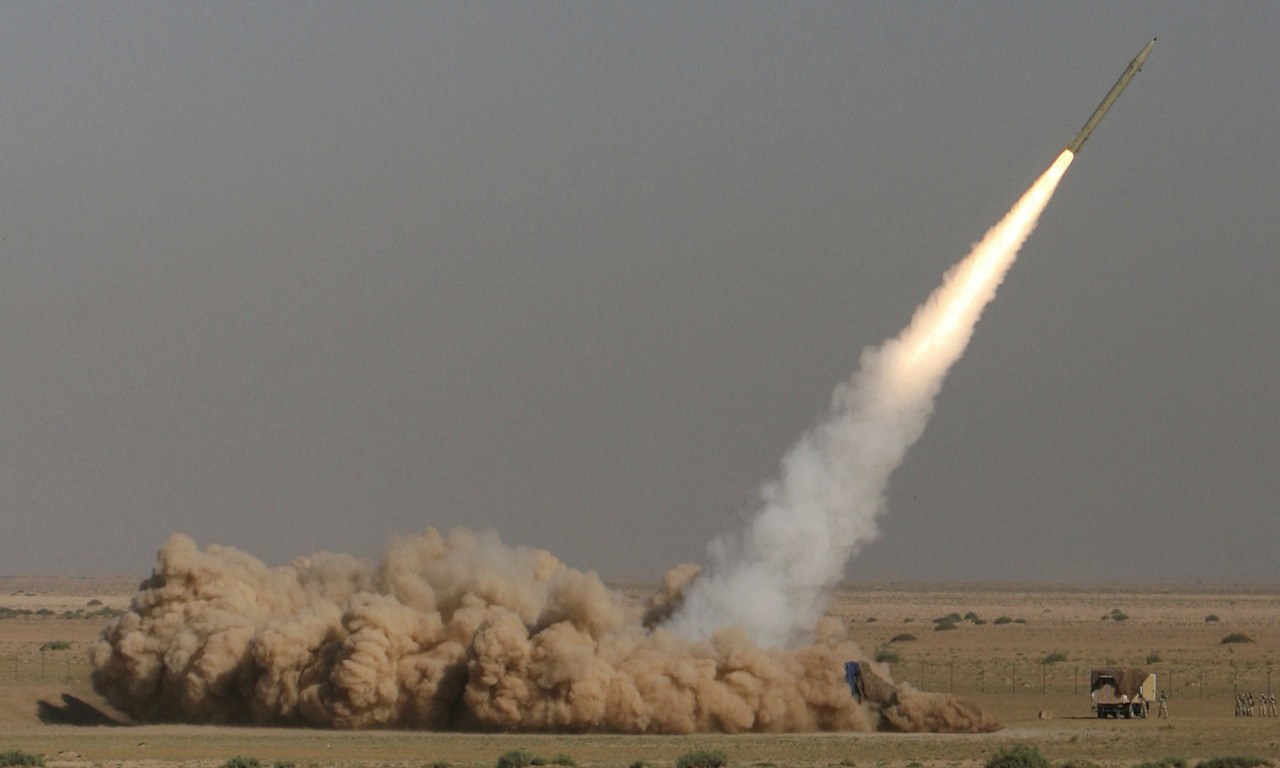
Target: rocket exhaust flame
{"points": [[775, 579]]}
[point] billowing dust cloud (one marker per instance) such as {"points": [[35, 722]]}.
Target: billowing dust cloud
{"points": [[774, 580], [464, 632]]}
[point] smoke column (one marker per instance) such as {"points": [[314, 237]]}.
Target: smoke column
{"points": [[774, 580]]}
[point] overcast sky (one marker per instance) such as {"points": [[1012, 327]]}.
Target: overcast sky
{"points": [[300, 276]]}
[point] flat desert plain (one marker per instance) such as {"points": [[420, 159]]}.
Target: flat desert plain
{"points": [[1023, 651]]}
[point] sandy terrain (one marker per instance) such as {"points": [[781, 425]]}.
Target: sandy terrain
{"points": [[48, 706]]}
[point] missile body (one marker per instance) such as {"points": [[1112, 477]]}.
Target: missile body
{"points": [[1112, 95]]}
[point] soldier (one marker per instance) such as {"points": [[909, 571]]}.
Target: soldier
{"points": [[1239, 705], [1163, 710], [1271, 699], [1248, 704]]}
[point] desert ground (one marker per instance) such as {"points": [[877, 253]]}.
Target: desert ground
{"points": [[1023, 651]]}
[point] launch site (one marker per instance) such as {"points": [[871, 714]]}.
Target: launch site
{"points": [[48, 706], [700, 385]]}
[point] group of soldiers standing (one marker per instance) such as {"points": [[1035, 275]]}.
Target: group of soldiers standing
{"points": [[1265, 706]]}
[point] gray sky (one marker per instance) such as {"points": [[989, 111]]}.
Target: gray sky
{"points": [[299, 276]]}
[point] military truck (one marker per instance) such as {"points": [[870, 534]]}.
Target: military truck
{"points": [[1121, 692]]}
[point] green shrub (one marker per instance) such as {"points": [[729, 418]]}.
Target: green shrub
{"points": [[943, 625], [1054, 658], [1079, 762], [284, 764], [1211, 618], [886, 655], [905, 637], [1233, 762], [970, 616], [1002, 620], [1118, 615], [639, 764], [19, 757], [241, 761], [1018, 756], [517, 758], [1236, 637], [56, 645], [565, 760], [1154, 658], [439, 764], [703, 758]]}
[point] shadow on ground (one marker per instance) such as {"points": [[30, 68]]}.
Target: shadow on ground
{"points": [[73, 711]]}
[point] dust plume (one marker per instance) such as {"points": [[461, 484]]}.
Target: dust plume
{"points": [[461, 631], [775, 579]]}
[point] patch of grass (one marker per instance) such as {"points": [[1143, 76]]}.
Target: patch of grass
{"points": [[905, 637], [19, 757], [56, 645], [886, 655], [565, 760], [1233, 762], [1211, 618], [1116, 615], [1164, 762], [1154, 658], [1002, 620], [242, 761], [703, 758], [1018, 756], [516, 758], [1054, 658], [943, 625], [1237, 637]]}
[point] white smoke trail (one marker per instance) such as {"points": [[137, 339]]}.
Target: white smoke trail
{"points": [[775, 579]]}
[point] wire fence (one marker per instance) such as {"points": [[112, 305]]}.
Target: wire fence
{"points": [[47, 667], [1062, 678]]}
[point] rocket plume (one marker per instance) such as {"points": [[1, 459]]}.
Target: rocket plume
{"points": [[464, 632], [774, 580]]}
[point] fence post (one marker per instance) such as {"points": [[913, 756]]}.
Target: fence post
{"points": [[952, 687], [922, 674]]}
